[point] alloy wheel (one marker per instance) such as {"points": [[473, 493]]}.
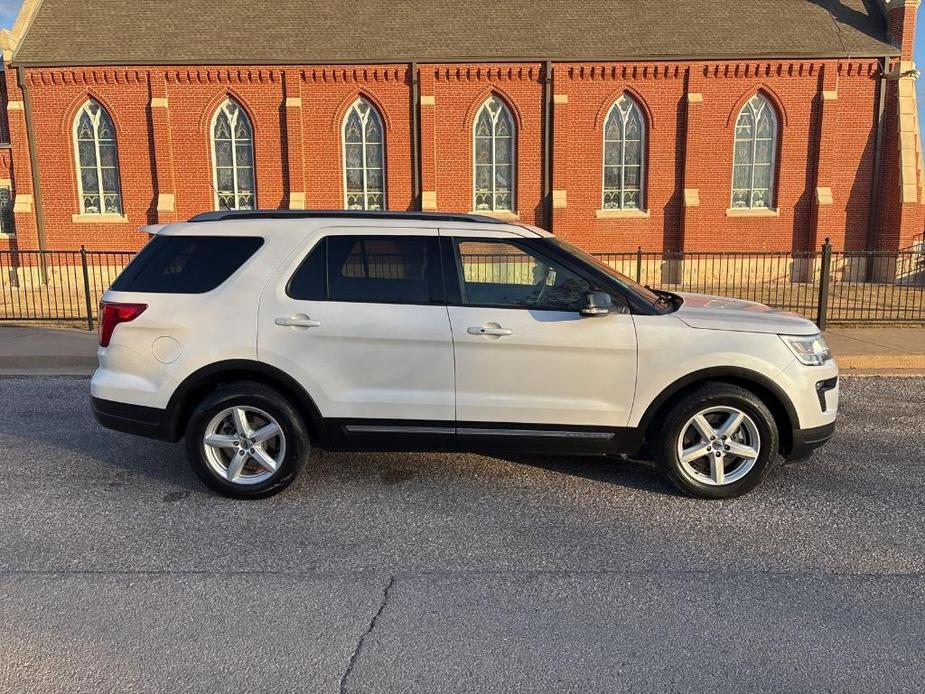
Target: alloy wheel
{"points": [[718, 446], [244, 445]]}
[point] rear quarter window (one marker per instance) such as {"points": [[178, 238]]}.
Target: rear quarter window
{"points": [[186, 264]]}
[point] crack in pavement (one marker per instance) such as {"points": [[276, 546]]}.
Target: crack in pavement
{"points": [[372, 624]]}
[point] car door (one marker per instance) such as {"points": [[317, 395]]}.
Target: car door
{"points": [[528, 365], [360, 321]]}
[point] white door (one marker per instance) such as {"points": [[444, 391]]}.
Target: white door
{"points": [[361, 323], [524, 354]]}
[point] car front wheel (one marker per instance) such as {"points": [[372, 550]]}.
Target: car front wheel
{"points": [[718, 442], [246, 441]]}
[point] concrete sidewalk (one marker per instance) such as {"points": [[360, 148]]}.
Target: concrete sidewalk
{"points": [[43, 351], [878, 350], [67, 351]]}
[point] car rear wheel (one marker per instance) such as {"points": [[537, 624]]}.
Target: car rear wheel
{"points": [[718, 442], [246, 441]]}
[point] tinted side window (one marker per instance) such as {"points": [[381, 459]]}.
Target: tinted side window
{"points": [[508, 275], [186, 264], [309, 281], [383, 269]]}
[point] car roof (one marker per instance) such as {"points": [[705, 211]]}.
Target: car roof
{"points": [[239, 223]]}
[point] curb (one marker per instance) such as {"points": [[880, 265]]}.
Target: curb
{"points": [[879, 362], [24, 366], [47, 362]]}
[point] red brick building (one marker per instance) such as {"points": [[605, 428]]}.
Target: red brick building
{"points": [[697, 124]]}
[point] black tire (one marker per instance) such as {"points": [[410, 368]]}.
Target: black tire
{"points": [[254, 395], [710, 395]]}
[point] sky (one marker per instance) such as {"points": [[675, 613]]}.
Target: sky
{"points": [[9, 8]]}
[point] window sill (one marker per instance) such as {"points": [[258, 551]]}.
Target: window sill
{"points": [[621, 214], [7, 235], [752, 212], [506, 215], [99, 219]]}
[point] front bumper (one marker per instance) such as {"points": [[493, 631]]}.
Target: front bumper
{"points": [[150, 422], [805, 441]]}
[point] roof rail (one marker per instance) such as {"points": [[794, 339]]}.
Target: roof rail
{"points": [[224, 215]]}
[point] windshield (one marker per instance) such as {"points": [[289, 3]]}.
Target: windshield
{"points": [[644, 292]]}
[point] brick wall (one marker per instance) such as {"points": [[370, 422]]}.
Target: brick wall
{"points": [[900, 23], [459, 92], [826, 111]]}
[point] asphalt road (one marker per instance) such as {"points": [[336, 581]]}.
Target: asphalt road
{"points": [[452, 573]]}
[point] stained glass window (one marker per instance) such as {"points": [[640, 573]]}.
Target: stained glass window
{"points": [[364, 158], [6, 211], [495, 144], [233, 158], [753, 170], [97, 161], [624, 146]]}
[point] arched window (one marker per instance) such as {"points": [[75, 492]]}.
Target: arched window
{"points": [[233, 158], [97, 161], [495, 142], [754, 160], [624, 146], [364, 158]]}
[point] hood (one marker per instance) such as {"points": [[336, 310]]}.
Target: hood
{"points": [[722, 313]]}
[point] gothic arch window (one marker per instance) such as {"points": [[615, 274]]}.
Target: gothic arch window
{"points": [[364, 157], [233, 158], [495, 169], [755, 155], [97, 161], [624, 148]]}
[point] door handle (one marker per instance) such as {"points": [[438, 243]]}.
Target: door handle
{"points": [[489, 330], [300, 320]]}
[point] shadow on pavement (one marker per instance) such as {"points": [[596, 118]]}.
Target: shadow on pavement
{"points": [[611, 470]]}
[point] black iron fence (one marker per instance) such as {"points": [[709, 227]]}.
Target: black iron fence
{"points": [[61, 286], [826, 286]]}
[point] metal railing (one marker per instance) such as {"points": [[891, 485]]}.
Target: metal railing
{"points": [[825, 286], [57, 285]]}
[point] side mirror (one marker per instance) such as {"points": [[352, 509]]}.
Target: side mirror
{"points": [[597, 304]]}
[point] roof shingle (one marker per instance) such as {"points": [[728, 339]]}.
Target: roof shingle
{"points": [[249, 32]]}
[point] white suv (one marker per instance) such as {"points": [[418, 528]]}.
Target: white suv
{"points": [[258, 335]]}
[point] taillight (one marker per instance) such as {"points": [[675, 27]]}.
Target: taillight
{"points": [[111, 314]]}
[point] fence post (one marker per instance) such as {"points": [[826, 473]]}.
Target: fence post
{"points": [[639, 264], [822, 309], [87, 300]]}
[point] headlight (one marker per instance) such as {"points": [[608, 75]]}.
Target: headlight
{"points": [[809, 349]]}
